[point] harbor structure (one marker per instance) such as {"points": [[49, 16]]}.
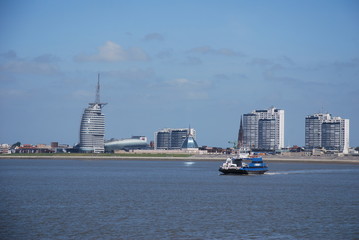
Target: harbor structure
{"points": [[173, 138], [262, 130], [325, 131], [92, 128]]}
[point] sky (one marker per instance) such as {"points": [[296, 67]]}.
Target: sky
{"points": [[171, 64]]}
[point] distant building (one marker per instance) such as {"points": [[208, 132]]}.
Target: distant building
{"points": [[92, 129], [313, 130], [267, 134], [323, 130], [189, 142], [5, 149], [136, 142], [170, 138], [28, 148], [263, 129]]}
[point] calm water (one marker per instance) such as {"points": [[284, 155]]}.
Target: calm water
{"points": [[105, 199]]}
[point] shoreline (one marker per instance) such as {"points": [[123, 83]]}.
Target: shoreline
{"points": [[194, 158]]}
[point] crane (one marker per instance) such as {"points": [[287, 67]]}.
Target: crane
{"points": [[235, 144]]}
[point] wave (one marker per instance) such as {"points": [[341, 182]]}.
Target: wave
{"points": [[311, 171]]}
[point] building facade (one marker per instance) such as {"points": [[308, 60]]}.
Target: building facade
{"points": [[136, 142], [264, 129], [267, 134], [250, 131], [313, 130], [92, 128], [170, 138], [323, 130]]}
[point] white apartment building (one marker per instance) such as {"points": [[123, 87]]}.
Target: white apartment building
{"points": [[323, 130], [264, 129], [313, 129]]}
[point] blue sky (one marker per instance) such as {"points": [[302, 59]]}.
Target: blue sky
{"points": [[175, 63]]}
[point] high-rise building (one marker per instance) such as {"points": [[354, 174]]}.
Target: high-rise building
{"points": [[92, 128], [250, 131], [323, 130], [313, 129], [170, 138], [263, 129], [267, 134]]}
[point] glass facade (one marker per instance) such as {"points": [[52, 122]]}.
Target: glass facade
{"points": [[250, 130], [267, 134], [178, 137], [331, 135], [189, 142], [163, 140], [170, 138]]}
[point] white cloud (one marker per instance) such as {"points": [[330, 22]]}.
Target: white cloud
{"points": [[112, 52]]}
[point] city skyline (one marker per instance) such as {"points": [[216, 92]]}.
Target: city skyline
{"points": [[203, 63]]}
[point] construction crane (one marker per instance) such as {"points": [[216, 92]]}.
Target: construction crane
{"points": [[235, 144]]}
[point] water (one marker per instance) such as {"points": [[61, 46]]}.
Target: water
{"points": [[109, 199]]}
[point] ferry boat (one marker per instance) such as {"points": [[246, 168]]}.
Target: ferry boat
{"points": [[238, 166]]}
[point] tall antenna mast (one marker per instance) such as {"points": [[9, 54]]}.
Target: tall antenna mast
{"points": [[98, 89]]}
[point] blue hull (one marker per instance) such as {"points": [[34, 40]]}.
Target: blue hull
{"points": [[243, 171], [237, 166]]}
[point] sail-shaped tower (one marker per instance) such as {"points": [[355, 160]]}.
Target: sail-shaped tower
{"points": [[92, 129]]}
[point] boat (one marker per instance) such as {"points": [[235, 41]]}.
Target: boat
{"points": [[239, 166]]}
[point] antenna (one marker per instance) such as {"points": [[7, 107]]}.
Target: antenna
{"points": [[97, 100], [98, 89]]}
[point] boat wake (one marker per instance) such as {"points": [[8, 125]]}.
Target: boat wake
{"points": [[314, 171]]}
